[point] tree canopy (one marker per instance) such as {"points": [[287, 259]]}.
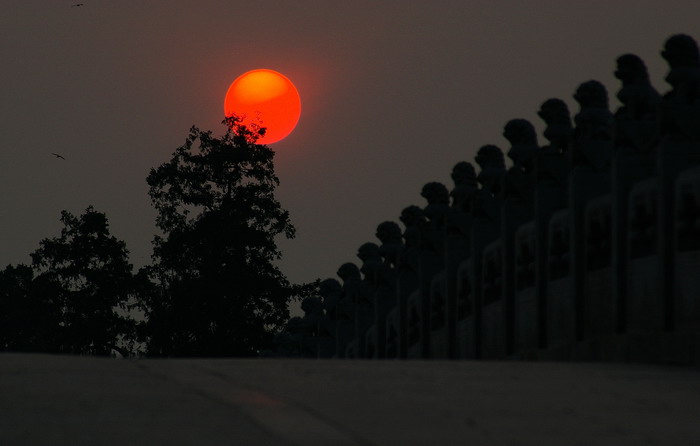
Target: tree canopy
{"points": [[220, 293], [76, 296]]}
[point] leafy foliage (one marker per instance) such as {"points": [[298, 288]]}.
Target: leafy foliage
{"points": [[76, 297], [221, 293], [90, 269]]}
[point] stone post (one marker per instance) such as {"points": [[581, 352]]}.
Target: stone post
{"points": [[413, 219], [385, 299], [485, 230], [679, 149], [364, 311], [346, 344], [636, 138], [589, 176], [517, 209], [458, 243], [551, 171]]}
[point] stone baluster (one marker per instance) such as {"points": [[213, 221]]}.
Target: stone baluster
{"points": [[486, 226], [679, 150], [364, 310], [432, 277], [637, 133], [346, 344], [517, 210], [386, 278], [457, 244], [316, 342], [408, 282], [551, 171], [589, 176], [331, 294]]}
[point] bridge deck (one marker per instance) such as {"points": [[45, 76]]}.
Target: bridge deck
{"points": [[63, 400]]}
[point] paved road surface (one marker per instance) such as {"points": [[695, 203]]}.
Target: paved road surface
{"points": [[60, 400]]}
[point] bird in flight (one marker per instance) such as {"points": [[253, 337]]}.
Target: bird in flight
{"points": [[77, 4], [57, 155]]}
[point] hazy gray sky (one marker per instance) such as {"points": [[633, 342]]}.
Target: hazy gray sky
{"points": [[394, 93]]}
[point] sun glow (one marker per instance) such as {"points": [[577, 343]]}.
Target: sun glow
{"points": [[267, 98]]}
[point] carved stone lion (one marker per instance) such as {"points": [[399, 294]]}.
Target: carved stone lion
{"points": [[435, 193], [389, 233], [523, 139], [371, 260], [466, 186], [594, 122], [681, 106], [438, 198], [681, 50], [640, 100], [493, 167], [559, 131], [312, 306], [637, 119], [349, 273], [413, 219], [330, 291]]}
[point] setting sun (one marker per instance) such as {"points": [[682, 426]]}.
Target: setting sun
{"points": [[267, 98]]}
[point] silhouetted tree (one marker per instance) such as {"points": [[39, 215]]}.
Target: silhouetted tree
{"points": [[220, 292], [85, 282]]}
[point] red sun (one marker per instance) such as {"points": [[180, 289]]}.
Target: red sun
{"points": [[267, 98]]}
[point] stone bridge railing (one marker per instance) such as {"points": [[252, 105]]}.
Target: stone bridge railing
{"points": [[587, 248]]}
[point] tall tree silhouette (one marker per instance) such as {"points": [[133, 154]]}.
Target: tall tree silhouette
{"points": [[220, 292], [85, 281]]}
